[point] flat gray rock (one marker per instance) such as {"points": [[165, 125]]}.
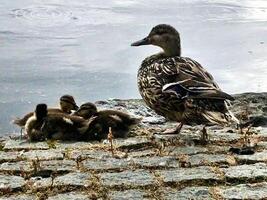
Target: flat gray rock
{"points": [[84, 154], [127, 194], [138, 178], [258, 170], [132, 142], [75, 179], [9, 156], [16, 167], [11, 183], [156, 162], [19, 197], [188, 174], [256, 157], [186, 150], [199, 193], [51, 154], [16, 145], [210, 159], [70, 196], [39, 183], [58, 165], [105, 164], [245, 191]]}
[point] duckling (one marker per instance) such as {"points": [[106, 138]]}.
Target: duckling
{"points": [[66, 102], [179, 88], [44, 125], [98, 129]]}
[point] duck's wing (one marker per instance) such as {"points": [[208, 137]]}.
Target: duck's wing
{"points": [[193, 81]]}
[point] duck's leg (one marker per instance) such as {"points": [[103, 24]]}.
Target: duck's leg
{"points": [[175, 130], [204, 137]]}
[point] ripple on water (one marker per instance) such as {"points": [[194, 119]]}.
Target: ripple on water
{"points": [[59, 15]]}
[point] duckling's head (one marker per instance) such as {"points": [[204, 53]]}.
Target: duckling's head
{"points": [[86, 110], [164, 36], [67, 103], [41, 111]]}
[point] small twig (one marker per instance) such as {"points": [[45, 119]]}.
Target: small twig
{"points": [[110, 139]]}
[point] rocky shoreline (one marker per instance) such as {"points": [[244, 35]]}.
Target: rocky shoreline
{"points": [[147, 165]]}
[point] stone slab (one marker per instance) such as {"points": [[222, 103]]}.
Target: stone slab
{"points": [[258, 170], [128, 194], [156, 162], [58, 165], [138, 178], [75, 179], [16, 167], [15, 145], [245, 191], [256, 157], [199, 193], [105, 164], [51, 154], [70, 196], [211, 159], [11, 183], [9, 156], [19, 197], [202, 173]]}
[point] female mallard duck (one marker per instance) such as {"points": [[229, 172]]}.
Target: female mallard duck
{"points": [[179, 88], [66, 102], [98, 129], [43, 125]]}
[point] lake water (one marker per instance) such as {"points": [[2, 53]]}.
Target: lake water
{"points": [[54, 47]]}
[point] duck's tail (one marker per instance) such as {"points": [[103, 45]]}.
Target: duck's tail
{"points": [[19, 121], [223, 118]]}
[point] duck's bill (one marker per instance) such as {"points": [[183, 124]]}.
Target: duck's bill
{"points": [[144, 41]]}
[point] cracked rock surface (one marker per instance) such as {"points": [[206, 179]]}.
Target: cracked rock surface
{"points": [[146, 165]]}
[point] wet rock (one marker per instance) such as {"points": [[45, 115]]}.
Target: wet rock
{"points": [[156, 162], [258, 170], [201, 193], [75, 179], [16, 167], [50, 154], [70, 196], [16, 145], [245, 191], [129, 179], [128, 194], [105, 164], [11, 183], [188, 175]]}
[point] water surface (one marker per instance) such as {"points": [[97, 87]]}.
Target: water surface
{"points": [[54, 47]]}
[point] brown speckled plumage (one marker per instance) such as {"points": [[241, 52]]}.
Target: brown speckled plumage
{"points": [[179, 88]]}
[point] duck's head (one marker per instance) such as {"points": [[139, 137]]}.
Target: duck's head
{"points": [[86, 110], [67, 103], [164, 36], [41, 111]]}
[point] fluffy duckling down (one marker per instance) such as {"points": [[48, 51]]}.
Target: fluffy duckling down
{"points": [[98, 128], [43, 125], [66, 105]]}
